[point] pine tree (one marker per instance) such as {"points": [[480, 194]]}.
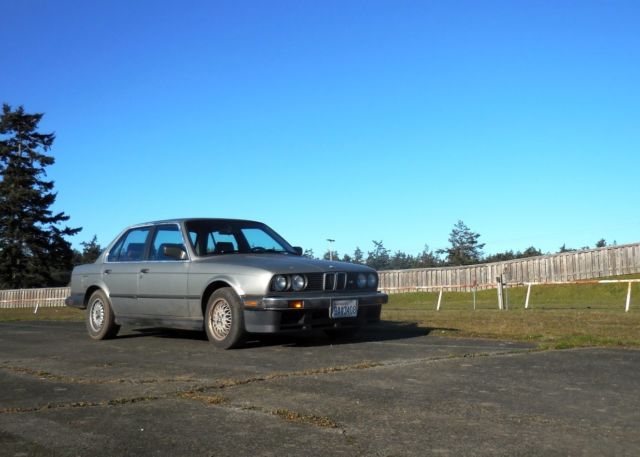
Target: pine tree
{"points": [[358, 256], [90, 252], [379, 258], [33, 248], [465, 248]]}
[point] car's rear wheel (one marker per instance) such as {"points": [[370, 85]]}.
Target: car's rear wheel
{"points": [[99, 317], [224, 319]]}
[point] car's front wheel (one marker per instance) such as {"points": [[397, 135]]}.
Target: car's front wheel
{"points": [[224, 319], [99, 317]]}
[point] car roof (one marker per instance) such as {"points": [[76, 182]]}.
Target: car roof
{"points": [[199, 219]]}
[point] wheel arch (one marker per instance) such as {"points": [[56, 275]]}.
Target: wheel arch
{"points": [[89, 293], [214, 285]]}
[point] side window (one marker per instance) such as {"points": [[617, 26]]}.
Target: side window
{"points": [[130, 248], [166, 236]]}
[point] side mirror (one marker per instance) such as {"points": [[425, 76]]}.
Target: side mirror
{"points": [[176, 252], [297, 250]]}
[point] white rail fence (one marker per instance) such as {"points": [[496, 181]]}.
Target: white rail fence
{"points": [[34, 298], [503, 295]]}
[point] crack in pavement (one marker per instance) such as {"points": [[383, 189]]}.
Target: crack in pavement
{"points": [[80, 404], [196, 393], [231, 382], [48, 376]]}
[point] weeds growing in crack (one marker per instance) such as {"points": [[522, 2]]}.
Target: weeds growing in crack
{"points": [[311, 419], [206, 399]]}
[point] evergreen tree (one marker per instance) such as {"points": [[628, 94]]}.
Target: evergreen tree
{"points": [[427, 258], [401, 261], [564, 248], [358, 256], [90, 252], [331, 255], [379, 258], [601, 243], [33, 248], [309, 253], [465, 248], [531, 252]]}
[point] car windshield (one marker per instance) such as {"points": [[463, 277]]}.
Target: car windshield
{"points": [[215, 237]]}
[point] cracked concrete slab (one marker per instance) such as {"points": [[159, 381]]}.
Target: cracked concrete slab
{"points": [[552, 403], [395, 390]]}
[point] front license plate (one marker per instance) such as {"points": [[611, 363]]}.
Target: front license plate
{"points": [[343, 308]]}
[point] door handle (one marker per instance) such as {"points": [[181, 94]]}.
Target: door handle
{"points": [[107, 271], [144, 270]]}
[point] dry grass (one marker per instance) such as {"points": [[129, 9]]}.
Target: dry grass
{"points": [[311, 419]]}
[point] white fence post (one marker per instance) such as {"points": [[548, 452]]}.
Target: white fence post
{"points": [[439, 300], [500, 293], [626, 308], [474, 297], [526, 302]]}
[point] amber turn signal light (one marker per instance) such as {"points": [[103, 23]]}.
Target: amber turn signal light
{"points": [[296, 304]]}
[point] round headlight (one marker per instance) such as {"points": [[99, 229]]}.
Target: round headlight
{"points": [[362, 280], [297, 282], [372, 281], [280, 283]]}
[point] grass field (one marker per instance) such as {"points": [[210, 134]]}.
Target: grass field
{"points": [[571, 296], [561, 316]]}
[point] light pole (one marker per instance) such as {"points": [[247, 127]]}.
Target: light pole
{"points": [[330, 251]]}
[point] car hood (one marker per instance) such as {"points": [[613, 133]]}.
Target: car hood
{"points": [[281, 263]]}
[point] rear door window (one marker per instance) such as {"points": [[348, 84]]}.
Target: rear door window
{"points": [[166, 236]]}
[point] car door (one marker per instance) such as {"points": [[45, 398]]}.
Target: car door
{"points": [[122, 269], [162, 286]]}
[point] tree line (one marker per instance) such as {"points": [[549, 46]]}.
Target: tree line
{"points": [[35, 252], [464, 249]]}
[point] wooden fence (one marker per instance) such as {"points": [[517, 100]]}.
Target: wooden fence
{"points": [[30, 298], [565, 267]]}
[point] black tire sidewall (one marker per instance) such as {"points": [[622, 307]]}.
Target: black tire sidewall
{"points": [[237, 332], [109, 329]]}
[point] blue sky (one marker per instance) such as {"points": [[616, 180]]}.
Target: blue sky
{"points": [[352, 120]]}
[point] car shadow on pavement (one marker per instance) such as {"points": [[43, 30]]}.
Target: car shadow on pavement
{"points": [[381, 331]]}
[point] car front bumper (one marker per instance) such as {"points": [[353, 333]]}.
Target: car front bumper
{"points": [[277, 314]]}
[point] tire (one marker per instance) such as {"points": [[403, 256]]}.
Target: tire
{"points": [[224, 319], [99, 317], [347, 332]]}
